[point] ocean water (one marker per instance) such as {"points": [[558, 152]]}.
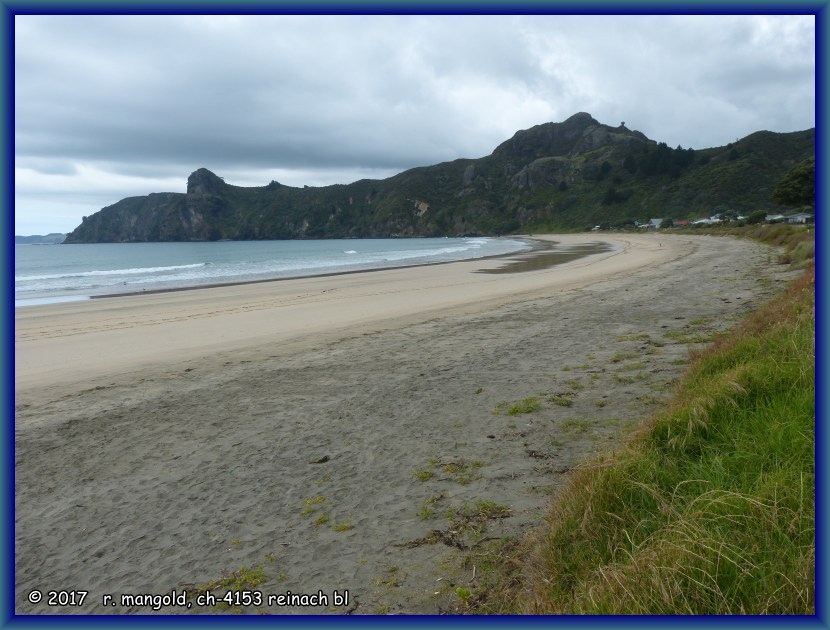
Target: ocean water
{"points": [[55, 273]]}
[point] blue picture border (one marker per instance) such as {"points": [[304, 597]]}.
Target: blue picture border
{"points": [[10, 8]]}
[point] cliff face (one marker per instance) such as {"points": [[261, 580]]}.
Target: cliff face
{"points": [[151, 218], [566, 175]]}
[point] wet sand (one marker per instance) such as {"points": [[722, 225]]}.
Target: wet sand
{"points": [[335, 431]]}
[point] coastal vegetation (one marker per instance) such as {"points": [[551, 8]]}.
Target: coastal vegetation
{"points": [[709, 508], [566, 176], [798, 186]]}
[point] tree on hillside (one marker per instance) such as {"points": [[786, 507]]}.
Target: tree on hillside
{"points": [[756, 217], [798, 186]]}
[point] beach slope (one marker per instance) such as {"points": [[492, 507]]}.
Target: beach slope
{"points": [[345, 432]]}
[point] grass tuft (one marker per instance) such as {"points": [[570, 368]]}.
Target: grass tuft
{"points": [[528, 405]]}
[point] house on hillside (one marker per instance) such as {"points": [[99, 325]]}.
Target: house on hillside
{"points": [[681, 223], [774, 217]]}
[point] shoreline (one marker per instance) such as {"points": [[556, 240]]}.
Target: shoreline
{"points": [[333, 433], [535, 244], [58, 344]]}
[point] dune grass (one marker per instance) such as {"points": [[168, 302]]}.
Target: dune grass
{"points": [[709, 509]]}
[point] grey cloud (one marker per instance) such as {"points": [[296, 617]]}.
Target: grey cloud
{"points": [[158, 96], [47, 166]]}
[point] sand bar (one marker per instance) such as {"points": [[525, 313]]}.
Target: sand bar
{"points": [[329, 429]]}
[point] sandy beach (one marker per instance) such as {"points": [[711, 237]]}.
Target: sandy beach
{"points": [[342, 433]]}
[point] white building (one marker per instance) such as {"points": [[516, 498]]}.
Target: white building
{"points": [[799, 217]]}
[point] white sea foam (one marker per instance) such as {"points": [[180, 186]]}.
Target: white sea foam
{"points": [[106, 272]]}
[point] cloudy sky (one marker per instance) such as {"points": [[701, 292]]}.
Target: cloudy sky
{"points": [[113, 106]]}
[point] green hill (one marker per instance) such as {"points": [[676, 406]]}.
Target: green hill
{"points": [[555, 176]]}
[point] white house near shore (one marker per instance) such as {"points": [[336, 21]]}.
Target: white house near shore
{"points": [[706, 221], [799, 217], [653, 224]]}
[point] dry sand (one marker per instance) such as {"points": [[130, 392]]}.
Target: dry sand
{"points": [[165, 441]]}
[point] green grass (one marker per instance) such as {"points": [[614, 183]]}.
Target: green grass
{"points": [[630, 367], [528, 405], [710, 508], [311, 503], [561, 400], [427, 506], [463, 471], [471, 519], [687, 337], [488, 509], [576, 425], [423, 475], [243, 579], [699, 321], [800, 254]]}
